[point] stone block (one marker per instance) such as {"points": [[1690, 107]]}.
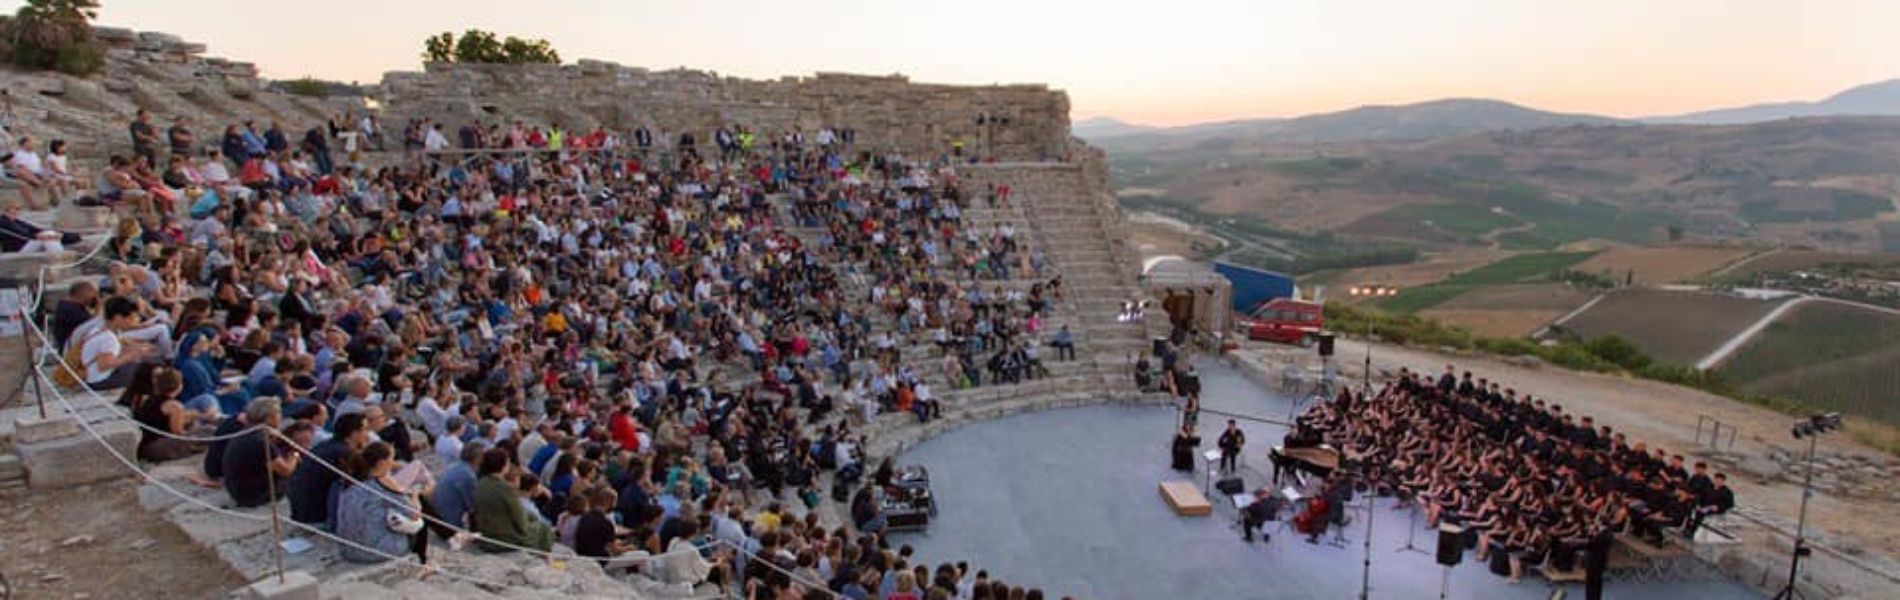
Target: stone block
{"points": [[10, 467], [113, 35], [31, 429], [28, 266], [212, 529], [255, 557], [72, 217], [160, 37], [154, 498], [294, 585], [74, 460]]}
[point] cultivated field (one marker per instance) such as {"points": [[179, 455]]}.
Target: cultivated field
{"points": [[1829, 356], [1427, 270], [1652, 266], [1793, 260], [1509, 310], [1674, 326], [1521, 268]]}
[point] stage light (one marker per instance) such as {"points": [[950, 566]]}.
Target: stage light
{"points": [[1810, 429]]}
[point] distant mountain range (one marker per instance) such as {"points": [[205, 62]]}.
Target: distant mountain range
{"points": [[1458, 116], [1103, 127], [1873, 99]]}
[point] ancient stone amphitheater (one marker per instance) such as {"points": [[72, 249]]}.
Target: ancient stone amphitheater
{"points": [[1062, 203]]}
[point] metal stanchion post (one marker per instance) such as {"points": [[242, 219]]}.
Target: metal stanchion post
{"points": [[276, 531], [1365, 578], [26, 337]]}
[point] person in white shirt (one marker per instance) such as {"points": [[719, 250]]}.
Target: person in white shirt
{"points": [[25, 167], [435, 141], [449, 445], [110, 362], [435, 417]]}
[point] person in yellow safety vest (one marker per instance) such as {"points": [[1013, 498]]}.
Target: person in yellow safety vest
{"points": [[956, 146], [555, 136], [745, 141]]}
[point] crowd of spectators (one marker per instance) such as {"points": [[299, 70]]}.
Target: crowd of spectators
{"points": [[611, 343], [1529, 482]]}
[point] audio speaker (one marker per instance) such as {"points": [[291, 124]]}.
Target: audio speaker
{"points": [[1325, 344], [1451, 545]]}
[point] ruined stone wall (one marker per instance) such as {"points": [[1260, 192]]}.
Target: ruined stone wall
{"points": [[886, 112], [159, 72]]}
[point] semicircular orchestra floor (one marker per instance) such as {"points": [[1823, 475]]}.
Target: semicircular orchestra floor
{"points": [[1066, 501]]}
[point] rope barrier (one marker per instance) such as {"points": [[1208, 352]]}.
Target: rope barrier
{"points": [[39, 292], [80, 376], [326, 465], [60, 363], [168, 487]]}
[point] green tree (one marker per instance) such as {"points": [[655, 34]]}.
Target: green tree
{"points": [[521, 51], [439, 48], [477, 46], [48, 34]]}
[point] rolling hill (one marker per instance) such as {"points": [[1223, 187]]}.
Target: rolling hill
{"points": [[1420, 121], [1823, 182], [1882, 98], [1098, 128]]}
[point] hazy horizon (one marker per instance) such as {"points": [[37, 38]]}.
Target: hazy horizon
{"points": [[1140, 62]]}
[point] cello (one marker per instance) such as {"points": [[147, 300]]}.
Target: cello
{"points": [[1312, 520]]}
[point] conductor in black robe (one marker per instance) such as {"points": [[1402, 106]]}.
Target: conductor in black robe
{"points": [[1183, 450], [1596, 561]]}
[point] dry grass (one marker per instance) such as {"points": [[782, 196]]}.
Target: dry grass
{"points": [[1790, 260], [1431, 269], [1670, 264], [1157, 239], [1496, 322]]}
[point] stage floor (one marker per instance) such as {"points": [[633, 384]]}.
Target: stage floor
{"points": [[1066, 501]]}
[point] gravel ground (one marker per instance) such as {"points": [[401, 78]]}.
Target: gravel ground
{"points": [[96, 542]]}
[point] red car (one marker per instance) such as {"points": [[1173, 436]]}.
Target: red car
{"points": [[1285, 321]]}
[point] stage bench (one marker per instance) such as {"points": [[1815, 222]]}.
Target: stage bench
{"points": [[1185, 499]]}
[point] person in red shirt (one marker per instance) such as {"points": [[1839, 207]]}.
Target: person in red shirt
{"points": [[625, 430]]}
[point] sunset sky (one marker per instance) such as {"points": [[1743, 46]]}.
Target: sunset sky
{"points": [[1144, 61]]}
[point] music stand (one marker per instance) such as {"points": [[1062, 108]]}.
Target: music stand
{"points": [[1411, 528]]}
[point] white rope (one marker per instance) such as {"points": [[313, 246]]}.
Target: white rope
{"points": [[133, 466], [39, 293], [308, 455], [87, 388]]}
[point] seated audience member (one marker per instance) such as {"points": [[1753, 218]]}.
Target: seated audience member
{"points": [[381, 515], [455, 492], [313, 486], [28, 169], [163, 416], [17, 235], [498, 513], [109, 361], [248, 471]]}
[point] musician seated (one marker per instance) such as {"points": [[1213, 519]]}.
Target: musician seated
{"points": [[1264, 508], [867, 510], [1331, 508]]}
